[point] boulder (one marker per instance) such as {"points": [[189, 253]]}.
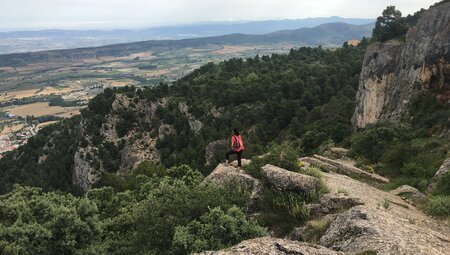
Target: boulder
{"points": [[347, 227], [445, 167], [226, 172], [216, 150], [409, 193], [285, 180], [332, 203], [275, 246]]}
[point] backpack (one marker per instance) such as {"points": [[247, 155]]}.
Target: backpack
{"points": [[236, 144]]}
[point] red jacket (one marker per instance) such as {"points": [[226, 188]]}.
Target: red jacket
{"points": [[236, 143]]}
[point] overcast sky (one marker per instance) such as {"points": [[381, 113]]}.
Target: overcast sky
{"points": [[107, 14]]}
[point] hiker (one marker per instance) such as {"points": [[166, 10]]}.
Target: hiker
{"points": [[237, 147]]}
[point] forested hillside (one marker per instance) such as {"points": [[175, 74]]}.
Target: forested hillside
{"points": [[306, 97]]}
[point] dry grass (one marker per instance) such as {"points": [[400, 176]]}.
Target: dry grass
{"points": [[41, 125], [229, 49], [41, 109], [34, 92], [9, 129]]}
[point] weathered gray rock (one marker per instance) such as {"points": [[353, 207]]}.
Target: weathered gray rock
{"points": [[348, 169], [285, 180], [346, 228], [273, 246], [339, 152], [332, 203], [84, 175], [319, 164], [216, 150], [137, 151], [410, 194], [226, 172], [445, 167], [394, 72]]}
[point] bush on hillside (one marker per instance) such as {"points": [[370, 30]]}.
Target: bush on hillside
{"points": [[215, 230]]}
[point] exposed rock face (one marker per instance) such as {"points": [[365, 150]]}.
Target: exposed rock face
{"points": [[394, 72], [445, 167], [194, 123], [332, 203], [138, 151], [289, 181], [399, 229], [224, 172], [273, 246], [83, 175], [134, 147], [216, 150]]}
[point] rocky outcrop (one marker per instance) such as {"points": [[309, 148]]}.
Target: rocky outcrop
{"points": [[133, 148], [319, 164], [443, 170], [273, 246], [226, 172], [409, 194], [332, 203], [285, 180], [137, 151], [216, 150], [394, 72], [348, 169], [383, 224], [84, 175], [194, 123]]}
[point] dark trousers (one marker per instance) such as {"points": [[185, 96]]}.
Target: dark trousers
{"points": [[238, 153]]}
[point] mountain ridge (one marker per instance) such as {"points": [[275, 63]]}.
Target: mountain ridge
{"points": [[341, 32]]}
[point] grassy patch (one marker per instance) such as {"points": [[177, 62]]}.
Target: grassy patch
{"points": [[438, 206], [342, 191], [385, 204], [316, 229], [281, 210]]}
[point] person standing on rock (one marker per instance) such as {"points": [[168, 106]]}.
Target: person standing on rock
{"points": [[237, 147]]}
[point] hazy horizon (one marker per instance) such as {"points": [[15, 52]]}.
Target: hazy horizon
{"points": [[139, 14]]}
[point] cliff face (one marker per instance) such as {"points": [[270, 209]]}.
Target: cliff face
{"points": [[394, 72]]}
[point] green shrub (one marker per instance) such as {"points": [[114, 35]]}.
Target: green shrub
{"points": [[438, 206], [34, 222], [443, 186], [215, 230], [283, 156], [317, 173], [281, 210]]}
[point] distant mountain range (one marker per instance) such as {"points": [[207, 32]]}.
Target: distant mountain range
{"points": [[328, 35], [26, 41]]}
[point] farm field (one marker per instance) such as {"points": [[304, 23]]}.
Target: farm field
{"points": [[37, 93]]}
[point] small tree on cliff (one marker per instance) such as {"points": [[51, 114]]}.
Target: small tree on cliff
{"points": [[390, 25]]}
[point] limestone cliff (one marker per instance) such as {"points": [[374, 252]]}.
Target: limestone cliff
{"points": [[394, 72]]}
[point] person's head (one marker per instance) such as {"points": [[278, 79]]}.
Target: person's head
{"points": [[236, 131]]}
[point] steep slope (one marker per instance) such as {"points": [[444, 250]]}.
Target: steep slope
{"points": [[362, 219], [304, 96], [395, 72]]}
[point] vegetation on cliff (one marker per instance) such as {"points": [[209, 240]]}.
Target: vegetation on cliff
{"points": [[306, 97]]}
